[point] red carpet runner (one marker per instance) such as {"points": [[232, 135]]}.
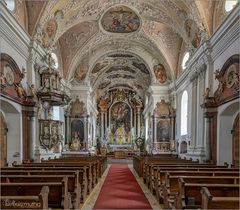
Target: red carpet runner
{"points": [[121, 191]]}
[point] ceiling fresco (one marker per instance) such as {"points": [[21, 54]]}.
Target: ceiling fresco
{"points": [[120, 19], [135, 43], [120, 68]]}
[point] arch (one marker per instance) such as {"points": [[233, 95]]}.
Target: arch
{"points": [[12, 114], [225, 122], [183, 147], [184, 113]]}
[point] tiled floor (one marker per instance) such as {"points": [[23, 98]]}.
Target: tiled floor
{"points": [[94, 195]]}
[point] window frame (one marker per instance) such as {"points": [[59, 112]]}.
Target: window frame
{"points": [[184, 66], [184, 111]]}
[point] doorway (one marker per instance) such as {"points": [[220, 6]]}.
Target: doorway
{"points": [[3, 140], [235, 142]]}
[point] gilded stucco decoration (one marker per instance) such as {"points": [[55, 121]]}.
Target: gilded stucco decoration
{"points": [[162, 109], [120, 19], [77, 108]]}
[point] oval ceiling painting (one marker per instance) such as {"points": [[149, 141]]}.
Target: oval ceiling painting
{"points": [[120, 19]]}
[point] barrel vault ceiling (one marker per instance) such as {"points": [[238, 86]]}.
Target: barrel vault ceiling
{"points": [[109, 43]]}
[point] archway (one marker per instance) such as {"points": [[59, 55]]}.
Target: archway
{"points": [[235, 142], [3, 140], [226, 117], [183, 147], [13, 137]]}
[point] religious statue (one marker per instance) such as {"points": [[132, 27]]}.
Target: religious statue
{"points": [[75, 145], [120, 134], [2, 79], [32, 91], [137, 101], [20, 90], [54, 83], [217, 74], [39, 109], [46, 83], [206, 94], [45, 131]]}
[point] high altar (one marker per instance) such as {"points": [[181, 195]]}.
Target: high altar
{"points": [[120, 119]]}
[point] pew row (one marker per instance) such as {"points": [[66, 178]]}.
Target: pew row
{"points": [[212, 200], [26, 202], [58, 196]]}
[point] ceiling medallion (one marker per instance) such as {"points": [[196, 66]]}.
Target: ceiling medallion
{"points": [[120, 19]]}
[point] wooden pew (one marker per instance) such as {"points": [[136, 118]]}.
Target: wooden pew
{"points": [[155, 172], [212, 200], [171, 186], [39, 201], [184, 172], [159, 175], [61, 166], [58, 196], [81, 182], [189, 196], [93, 164], [73, 187]]}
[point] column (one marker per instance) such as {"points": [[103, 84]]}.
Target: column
{"points": [[86, 132], [138, 121], [135, 122], [105, 123], [194, 113], [32, 137], [154, 130], [102, 125], [200, 117]]}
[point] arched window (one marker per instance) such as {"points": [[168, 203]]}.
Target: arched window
{"points": [[184, 111], [185, 59], [54, 56], [10, 5], [230, 4], [56, 113]]}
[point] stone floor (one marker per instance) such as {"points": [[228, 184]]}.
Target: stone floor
{"points": [[89, 204]]}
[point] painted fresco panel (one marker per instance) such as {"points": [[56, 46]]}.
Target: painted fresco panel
{"points": [[120, 19], [77, 130], [163, 130]]}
